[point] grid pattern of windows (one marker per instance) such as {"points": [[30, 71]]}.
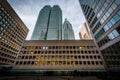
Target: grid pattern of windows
{"points": [[110, 23], [111, 36], [105, 25], [60, 55], [12, 36], [112, 55]]}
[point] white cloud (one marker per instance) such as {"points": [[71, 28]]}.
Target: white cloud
{"points": [[28, 11]]}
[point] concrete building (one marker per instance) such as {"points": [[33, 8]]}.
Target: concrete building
{"points": [[49, 24], [68, 33], [103, 17], [84, 32], [59, 55], [13, 33]]}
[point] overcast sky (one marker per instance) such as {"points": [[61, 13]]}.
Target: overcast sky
{"points": [[28, 11]]}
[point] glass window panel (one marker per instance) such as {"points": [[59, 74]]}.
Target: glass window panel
{"points": [[110, 10], [107, 14], [108, 1], [118, 12], [112, 21], [116, 17], [0, 17], [115, 33], [114, 6], [105, 5], [102, 20], [98, 15], [117, 2], [106, 28], [104, 17], [0, 22], [111, 36], [109, 24]]}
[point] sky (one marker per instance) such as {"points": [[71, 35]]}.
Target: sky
{"points": [[28, 11]]}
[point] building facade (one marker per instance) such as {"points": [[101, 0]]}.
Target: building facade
{"points": [[55, 24], [84, 32], [41, 27], [49, 24], [68, 33], [13, 33], [59, 55], [103, 17]]}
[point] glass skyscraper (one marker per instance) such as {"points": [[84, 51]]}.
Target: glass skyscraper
{"points": [[68, 33], [49, 24], [103, 17]]}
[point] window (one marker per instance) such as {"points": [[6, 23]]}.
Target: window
{"points": [[92, 62], [89, 52], [75, 57], [87, 57], [96, 62], [79, 57], [20, 62], [84, 62], [88, 62], [91, 57], [113, 34], [83, 57], [80, 62], [22, 57], [17, 63], [94, 57], [76, 62], [24, 62], [32, 62], [101, 62], [98, 57], [117, 2]]}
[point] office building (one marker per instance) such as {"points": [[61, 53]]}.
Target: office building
{"points": [[40, 30], [49, 24], [46, 59], [103, 17], [68, 33], [55, 24], [13, 33], [59, 55], [84, 32]]}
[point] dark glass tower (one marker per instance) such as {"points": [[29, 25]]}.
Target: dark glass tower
{"points": [[103, 17], [55, 24], [41, 26], [49, 24]]}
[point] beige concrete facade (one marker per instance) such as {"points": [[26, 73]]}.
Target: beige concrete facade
{"points": [[12, 33], [84, 32], [59, 54]]}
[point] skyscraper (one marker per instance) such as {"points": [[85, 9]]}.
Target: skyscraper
{"points": [[55, 24], [68, 33], [84, 32], [103, 17], [49, 24]]}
